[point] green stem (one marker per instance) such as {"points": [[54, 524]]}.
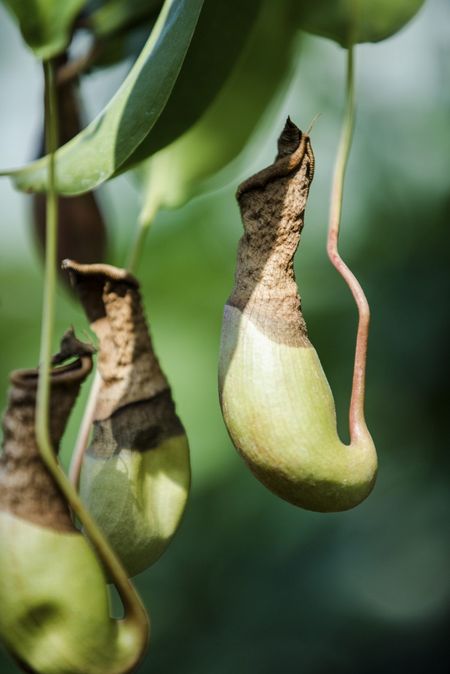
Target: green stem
{"points": [[48, 311], [135, 612], [357, 422], [84, 432], [147, 215]]}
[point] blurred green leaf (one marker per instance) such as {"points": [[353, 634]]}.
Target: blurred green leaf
{"points": [[351, 21], [120, 28], [221, 34], [120, 46], [96, 153], [126, 44], [45, 24], [179, 171], [114, 16]]}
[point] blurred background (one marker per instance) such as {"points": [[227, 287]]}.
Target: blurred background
{"points": [[251, 584]]}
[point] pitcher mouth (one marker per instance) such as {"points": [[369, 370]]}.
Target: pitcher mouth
{"points": [[71, 349], [100, 269]]}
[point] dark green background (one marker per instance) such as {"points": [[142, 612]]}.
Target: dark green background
{"points": [[252, 585]]}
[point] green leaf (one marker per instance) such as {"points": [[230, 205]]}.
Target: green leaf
{"points": [[130, 128], [45, 24], [351, 21], [221, 34], [96, 153], [180, 170]]}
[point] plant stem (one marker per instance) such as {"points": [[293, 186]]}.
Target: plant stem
{"points": [[356, 415], [84, 432], [147, 215], [134, 610], [48, 311]]}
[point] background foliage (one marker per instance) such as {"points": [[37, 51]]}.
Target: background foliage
{"points": [[252, 584]]}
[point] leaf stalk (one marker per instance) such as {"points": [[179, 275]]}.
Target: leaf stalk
{"points": [[357, 422]]}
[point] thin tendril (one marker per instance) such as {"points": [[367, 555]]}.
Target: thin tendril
{"points": [[356, 414], [84, 432], [147, 215], [134, 610]]}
